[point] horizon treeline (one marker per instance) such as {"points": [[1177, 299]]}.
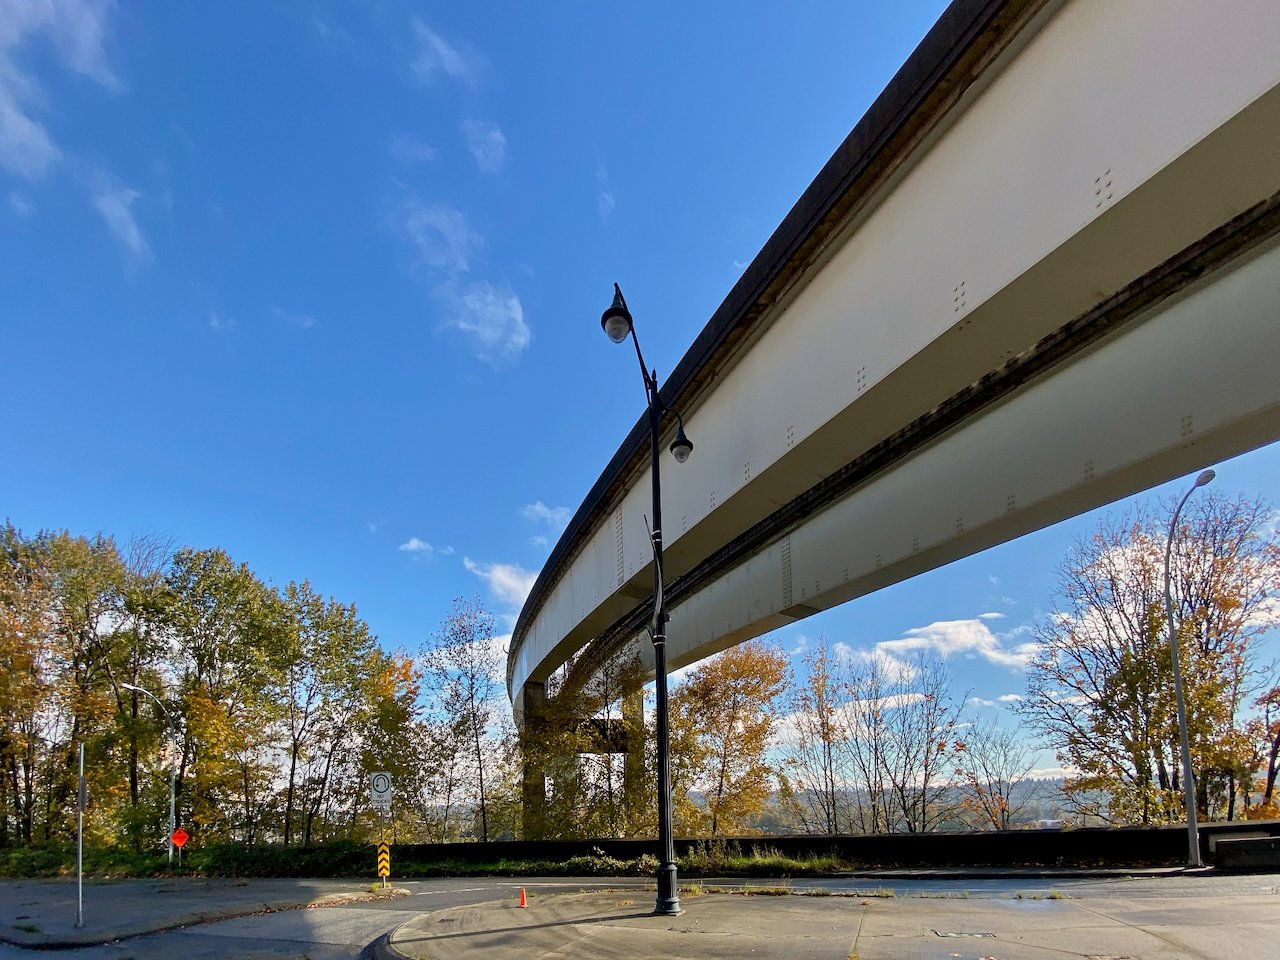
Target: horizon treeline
{"points": [[270, 706]]}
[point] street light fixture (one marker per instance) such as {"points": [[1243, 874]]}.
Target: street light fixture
{"points": [[617, 324], [173, 763], [1188, 787]]}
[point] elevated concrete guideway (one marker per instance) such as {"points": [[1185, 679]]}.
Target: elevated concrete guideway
{"points": [[1042, 273]]}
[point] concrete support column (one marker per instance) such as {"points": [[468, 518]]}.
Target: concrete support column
{"points": [[533, 751], [633, 776]]}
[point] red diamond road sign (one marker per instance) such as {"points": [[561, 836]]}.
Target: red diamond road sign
{"points": [[179, 837]]}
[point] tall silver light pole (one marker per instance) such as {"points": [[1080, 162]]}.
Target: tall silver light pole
{"points": [[173, 763], [616, 322], [1188, 786]]}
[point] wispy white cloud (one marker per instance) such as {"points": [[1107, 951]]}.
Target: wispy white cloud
{"points": [[1010, 698], [557, 518], [302, 320], [893, 667], [220, 324], [991, 616], [373, 526], [115, 205], [487, 144], [422, 548], [21, 204], [76, 29], [406, 148], [980, 702], [970, 638], [490, 319], [436, 57], [1073, 699], [440, 234], [508, 583], [605, 201], [330, 32]]}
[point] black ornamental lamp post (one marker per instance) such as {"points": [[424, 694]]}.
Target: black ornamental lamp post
{"points": [[616, 322]]}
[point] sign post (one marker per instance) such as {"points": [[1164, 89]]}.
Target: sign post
{"points": [[384, 862], [176, 840], [380, 794], [82, 800]]}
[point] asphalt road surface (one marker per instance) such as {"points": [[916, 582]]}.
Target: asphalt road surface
{"points": [[344, 931]]}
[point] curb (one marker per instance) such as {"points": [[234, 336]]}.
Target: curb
{"points": [[132, 932], [383, 948], [999, 874]]}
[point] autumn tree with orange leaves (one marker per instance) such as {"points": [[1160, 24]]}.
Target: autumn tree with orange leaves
{"points": [[722, 720]]}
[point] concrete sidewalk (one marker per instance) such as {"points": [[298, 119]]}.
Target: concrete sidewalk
{"points": [[620, 926], [614, 926], [42, 913]]}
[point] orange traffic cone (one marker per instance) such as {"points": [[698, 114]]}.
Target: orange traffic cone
{"points": [[523, 901]]}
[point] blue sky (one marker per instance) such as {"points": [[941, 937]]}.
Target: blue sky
{"points": [[319, 283]]}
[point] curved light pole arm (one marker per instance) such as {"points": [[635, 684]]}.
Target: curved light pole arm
{"points": [[173, 761]]}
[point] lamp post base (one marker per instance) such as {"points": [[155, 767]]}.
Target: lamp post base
{"points": [[668, 904]]}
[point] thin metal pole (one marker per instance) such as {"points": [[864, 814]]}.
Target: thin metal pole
{"points": [[173, 762], [173, 778], [1188, 784], [80, 800]]}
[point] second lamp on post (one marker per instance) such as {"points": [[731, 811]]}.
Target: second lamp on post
{"points": [[616, 322]]}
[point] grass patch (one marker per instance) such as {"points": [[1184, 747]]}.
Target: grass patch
{"points": [[753, 890], [59, 860], [711, 857]]}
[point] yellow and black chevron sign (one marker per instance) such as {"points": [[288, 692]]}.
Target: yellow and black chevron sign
{"points": [[384, 860]]}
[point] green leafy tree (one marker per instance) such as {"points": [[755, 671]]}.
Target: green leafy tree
{"points": [[233, 645], [27, 603], [328, 666]]}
